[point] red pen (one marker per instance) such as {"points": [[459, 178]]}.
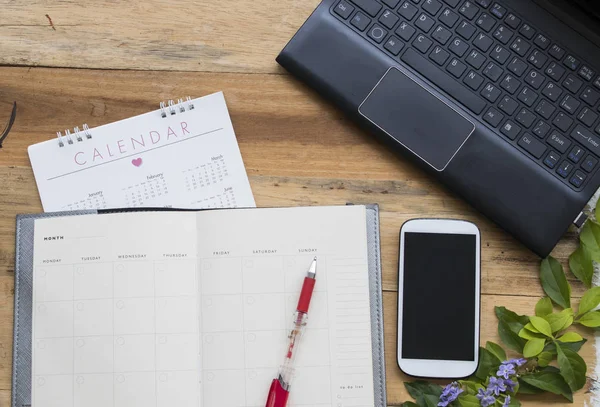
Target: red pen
{"points": [[280, 387]]}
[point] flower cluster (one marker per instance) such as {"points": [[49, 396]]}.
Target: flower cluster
{"points": [[500, 384], [449, 394]]}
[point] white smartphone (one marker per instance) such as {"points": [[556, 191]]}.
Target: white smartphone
{"points": [[438, 298]]}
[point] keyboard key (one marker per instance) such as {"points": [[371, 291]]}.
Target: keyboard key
{"points": [[422, 43], [572, 83], [493, 71], [405, 31], [491, 93], [557, 52], [552, 91], [587, 139], [343, 9], [535, 79], [551, 159], [503, 34], [452, 3], [475, 59], [439, 78], [597, 82], [576, 154], [465, 30], [441, 35], [469, 10], [520, 46], [510, 130], [517, 66], [590, 96], [527, 31], [459, 47], [493, 117], [538, 59], [371, 7], [532, 146], [486, 22], [388, 19], [424, 22], [484, 3], [542, 41], [508, 105], [527, 96], [589, 163], [586, 73], [558, 141], [407, 10], [439, 56], [571, 62], [432, 6], [562, 121], [513, 21], [394, 45], [555, 71], [564, 169], [500, 54], [498, 11], [360, 21], [377, 33], [456, 68], [526, 118], [587, 117], [473, 80], [570, 104], [577, 179], [510, 84], [483, 42], [391, 3], [545, 109], [541, 129], [448, 17]]}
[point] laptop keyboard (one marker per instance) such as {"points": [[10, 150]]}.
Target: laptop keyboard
{"points": [[539, 96]]}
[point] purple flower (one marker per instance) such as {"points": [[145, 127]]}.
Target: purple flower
{"points": [[485, 397], [449, 394], [506, 402], [496, 386], [518, 362], [506, 370], [510, 385]]}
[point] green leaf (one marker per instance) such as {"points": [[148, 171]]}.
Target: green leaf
{"points": [[509, 326], [597, 211], [496, 350], [560, 320], [590, 238], [431, 400], [471, 386], [591, 319], [545, 358], [527, 334], [580, 263], [420, 389], [533, 347], [526, 388], [487, 362], [468, 400], [541, 325], [570, 337], [572, 368], [589, 301], [548, 381], [543, 307], [574, 346], [529, 326], [514, 402], [554, 282]]}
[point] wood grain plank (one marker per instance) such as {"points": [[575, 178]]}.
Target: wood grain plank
{"points": [[226, 36]]}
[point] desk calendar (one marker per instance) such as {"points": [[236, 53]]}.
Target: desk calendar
{"points": [[183, 155]]}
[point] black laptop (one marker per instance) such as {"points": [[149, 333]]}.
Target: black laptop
{"points": [[499, 99]]}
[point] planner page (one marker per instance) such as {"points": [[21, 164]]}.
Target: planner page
{"points": [[115, 311], [188, 159], [252, 264]]}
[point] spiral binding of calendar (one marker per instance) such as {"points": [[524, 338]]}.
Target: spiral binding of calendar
{"points": [[168, 108]]}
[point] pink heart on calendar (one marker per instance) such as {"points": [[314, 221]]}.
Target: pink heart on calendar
{"points": [[137, 162]]}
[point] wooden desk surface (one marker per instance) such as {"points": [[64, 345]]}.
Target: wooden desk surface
{"points": [[73, 62]]}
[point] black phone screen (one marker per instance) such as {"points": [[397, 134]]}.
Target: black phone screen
{"points": [[438, 296]]}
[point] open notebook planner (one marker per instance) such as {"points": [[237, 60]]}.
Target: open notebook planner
{"points": [[193, 308]]}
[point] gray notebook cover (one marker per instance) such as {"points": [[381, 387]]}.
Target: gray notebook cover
{"points": [[21, 384]]}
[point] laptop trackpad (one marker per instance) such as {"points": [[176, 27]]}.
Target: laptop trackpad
{"points": [[416, 118]]}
